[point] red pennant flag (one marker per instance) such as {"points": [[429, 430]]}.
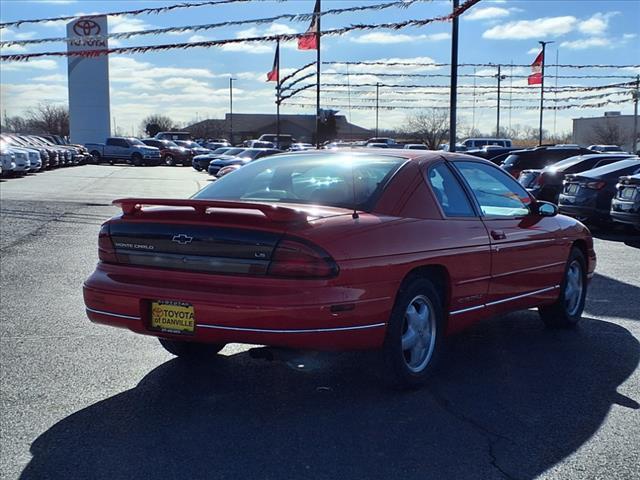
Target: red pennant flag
{"points": [[309, 41], [274, 74], [536, 71]]}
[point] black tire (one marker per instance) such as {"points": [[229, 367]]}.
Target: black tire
{"points": [[397, 367], [191, 350], [136, 159], [169, 160], [97, 158], [197, 167], [566, 312]]}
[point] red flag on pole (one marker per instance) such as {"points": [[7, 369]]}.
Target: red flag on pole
{"points": [[273, 75], [309, 41], [536, 70]]}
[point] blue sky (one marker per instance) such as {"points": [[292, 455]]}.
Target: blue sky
{"points": [[194, 84]]}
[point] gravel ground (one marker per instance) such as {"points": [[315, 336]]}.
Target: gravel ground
{"points": [[79, 400]]}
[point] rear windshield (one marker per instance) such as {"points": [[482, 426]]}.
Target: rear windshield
{"points": [[221, 150], [345, 180], [511, 160]]}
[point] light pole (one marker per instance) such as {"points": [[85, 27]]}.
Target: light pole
{"points": [[500, 78], [231, 79], [377, 104], [636, 94], [453, 101]]}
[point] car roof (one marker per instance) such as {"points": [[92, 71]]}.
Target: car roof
{"points": [[612, 167], [422, 156]]}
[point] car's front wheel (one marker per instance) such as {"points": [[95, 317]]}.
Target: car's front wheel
{"points": [[414, 341], [567, 310], [169, 160], [191, 350]]}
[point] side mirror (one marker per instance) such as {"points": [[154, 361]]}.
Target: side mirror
{"points": [[545, 209]]}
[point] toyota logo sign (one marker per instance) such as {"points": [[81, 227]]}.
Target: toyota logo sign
{"points": [[86, 28]]}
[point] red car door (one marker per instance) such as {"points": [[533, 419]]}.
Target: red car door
{"points": [[466, 244], [527, 260]]}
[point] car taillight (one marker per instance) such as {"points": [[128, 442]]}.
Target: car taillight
{"points": [[298, 259], [106, 252], [595, 185]]}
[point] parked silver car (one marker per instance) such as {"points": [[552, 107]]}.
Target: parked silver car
{"points": [[7, 161]]}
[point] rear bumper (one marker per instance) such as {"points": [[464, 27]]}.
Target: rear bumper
{"points": [[583, 213], [625, 211], [288, 313]]}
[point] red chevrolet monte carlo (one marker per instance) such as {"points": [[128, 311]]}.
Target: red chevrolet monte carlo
{"points": [[340, 250]]}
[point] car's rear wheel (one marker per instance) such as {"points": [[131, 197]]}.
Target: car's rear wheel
{"points": [[566, 312], [169, 160], [414, 341], [191, 350]]}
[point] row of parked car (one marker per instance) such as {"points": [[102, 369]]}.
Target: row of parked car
{"points": [[23, 154], [596, 188]]}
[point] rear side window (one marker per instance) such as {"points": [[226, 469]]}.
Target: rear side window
{"points": [[449, 192]]}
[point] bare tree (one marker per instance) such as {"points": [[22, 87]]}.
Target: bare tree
{"points": [[609, 132], [47, 118], [430, 126], [156, 123], [15, 124]]}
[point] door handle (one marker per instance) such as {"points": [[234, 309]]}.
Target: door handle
{"points": [[498, 235]]}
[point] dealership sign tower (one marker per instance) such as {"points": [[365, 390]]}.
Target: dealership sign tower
{"points": [[89, 113]]}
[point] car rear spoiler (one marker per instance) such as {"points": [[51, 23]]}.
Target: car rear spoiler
{"points": [[131, 206]]}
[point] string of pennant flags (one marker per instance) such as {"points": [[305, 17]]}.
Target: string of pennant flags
{"points": [[370, 94], [295, 17], [470, 75], [120, 13], [258, 39], [479, 102], [432, 64], [423, 107]]}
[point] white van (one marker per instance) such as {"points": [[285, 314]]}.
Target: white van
{"points": [[476, 143]]}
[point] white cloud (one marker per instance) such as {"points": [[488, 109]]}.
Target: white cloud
{"points": [[629, 36], [127, 24], [244, 47], [597, 24], [20, 97], [14, 49], [533, 51], [56, 77], [488, 13], [279, 29], [538, 28], [121, 68], [35, 64], [584, 43], [389, 38]]}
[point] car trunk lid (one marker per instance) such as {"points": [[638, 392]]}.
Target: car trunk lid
{"points": [[215, 236]]}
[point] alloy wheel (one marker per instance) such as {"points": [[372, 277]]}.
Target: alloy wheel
{"points": [[573, 290], [418, 333]]}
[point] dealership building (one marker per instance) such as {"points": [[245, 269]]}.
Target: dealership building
{"points": [[612, 128], [246, 126]]}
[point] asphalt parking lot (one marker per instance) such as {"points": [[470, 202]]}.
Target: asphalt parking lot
{"points": [[79, 400]]}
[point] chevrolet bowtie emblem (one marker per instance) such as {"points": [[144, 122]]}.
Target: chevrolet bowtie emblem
{"points": [[182, 239]]}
